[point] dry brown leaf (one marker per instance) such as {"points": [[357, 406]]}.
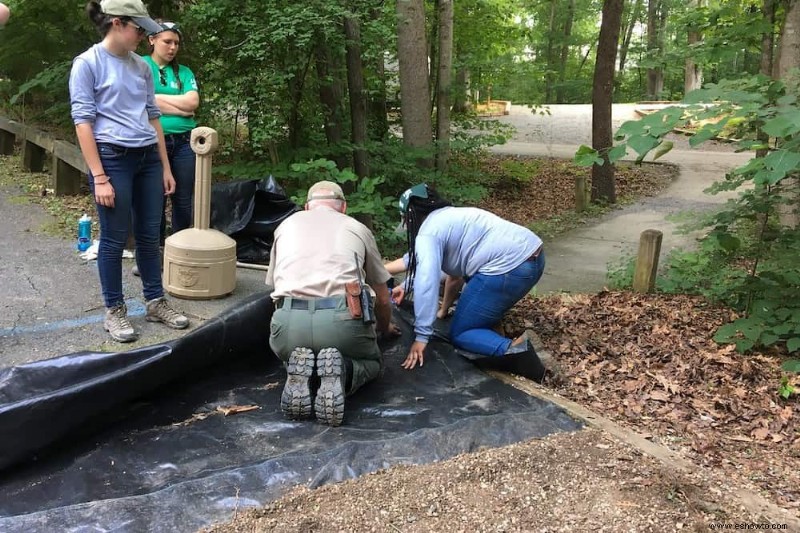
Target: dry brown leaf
{"points": [[659, 396], [227, 410]]}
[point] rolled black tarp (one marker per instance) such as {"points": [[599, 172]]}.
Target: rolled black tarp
{"points": [[249, 211], [44, 400]]}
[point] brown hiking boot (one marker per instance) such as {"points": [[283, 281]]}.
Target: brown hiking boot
{"points": [[117, 325], [159, 310]]}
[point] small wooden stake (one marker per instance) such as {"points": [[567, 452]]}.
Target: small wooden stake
{"points": [[644, 277], [581, 194]]}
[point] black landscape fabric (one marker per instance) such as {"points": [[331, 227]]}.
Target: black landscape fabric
{"points": [[129, 454]]}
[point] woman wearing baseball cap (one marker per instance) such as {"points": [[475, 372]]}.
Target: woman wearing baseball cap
{"points": [[496, 262], [117, 124], [177, 97]]}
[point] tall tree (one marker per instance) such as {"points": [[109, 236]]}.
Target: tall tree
{"points": [[656, 22], [412, 55], [768, 38], [562, 65], [358, 102], [331, 94], [603, 186], [636, 12], [550, 54], [693, 73], [789, 59], [443, 85]]}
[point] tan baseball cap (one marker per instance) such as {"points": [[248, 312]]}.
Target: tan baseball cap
{"points": [[325, 190], [134, 9]]}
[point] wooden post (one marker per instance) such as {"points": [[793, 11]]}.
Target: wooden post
{"points": [[644, 277], [33, 156], [68, 168], [581, 194], [64, 178], [35, 147], [7, 142]]}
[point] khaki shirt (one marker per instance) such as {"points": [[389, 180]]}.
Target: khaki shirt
{"points": [[313, 255]]}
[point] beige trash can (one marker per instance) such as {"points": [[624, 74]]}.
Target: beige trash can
{"points": [[199, 262]]}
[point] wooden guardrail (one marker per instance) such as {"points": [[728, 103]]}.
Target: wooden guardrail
{"points": [[67, 167]]}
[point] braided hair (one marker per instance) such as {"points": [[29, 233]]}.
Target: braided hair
{"points": [[174, 65], [416, 212]]}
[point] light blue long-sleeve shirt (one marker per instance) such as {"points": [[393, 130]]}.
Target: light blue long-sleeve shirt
{"points": [[463, 241], [114, 94]]}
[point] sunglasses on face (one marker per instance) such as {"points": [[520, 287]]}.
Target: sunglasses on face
{"points": [[139, 30]]}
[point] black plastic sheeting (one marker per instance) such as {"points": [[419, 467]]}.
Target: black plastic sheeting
{"points": [[249, 211], [168, 460]]}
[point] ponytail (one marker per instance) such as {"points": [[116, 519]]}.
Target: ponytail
{"points": [[100, 20]]}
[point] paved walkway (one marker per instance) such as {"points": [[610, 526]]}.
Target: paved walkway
{"points": [[578, 260], [51, 302]]}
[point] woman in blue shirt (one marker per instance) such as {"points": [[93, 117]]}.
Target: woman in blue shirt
{"points": [[496, 262], [117, 125]]}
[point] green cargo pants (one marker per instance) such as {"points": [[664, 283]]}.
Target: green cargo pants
{"points": [[327, 328]]}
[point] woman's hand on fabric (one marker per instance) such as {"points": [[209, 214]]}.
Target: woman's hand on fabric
{"points": [[398, 293], [169, 183], [415, 355], [104, 194], [443, 313]]}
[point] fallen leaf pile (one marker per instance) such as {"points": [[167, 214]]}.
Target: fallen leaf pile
{"points": [[528, 189], [649, 361]]}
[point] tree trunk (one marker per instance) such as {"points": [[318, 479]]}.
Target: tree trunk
{"points": [[768, 38], [379, 121], [443, 87], [296, 85], [693, 73], [626, 41], [562, 66], [655, 75], [603, 186], [358, 102], [433, 54], [412, 57], [331, 94], [548, 76], [461, 102], [766, 63], [789, 58]]}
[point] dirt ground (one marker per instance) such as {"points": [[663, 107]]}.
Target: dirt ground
{"points": [[584, 481]]}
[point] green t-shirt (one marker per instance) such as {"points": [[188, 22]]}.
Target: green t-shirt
{"points": [[166, 83]]}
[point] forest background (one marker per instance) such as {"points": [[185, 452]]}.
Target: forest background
{"points": [[380, 95]]}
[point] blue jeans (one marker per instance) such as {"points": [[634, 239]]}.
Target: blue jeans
{"points": [[484, 301], [137, 177], [182, 161]]}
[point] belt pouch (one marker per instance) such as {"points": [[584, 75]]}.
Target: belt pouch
{"points": [[353, 295]]}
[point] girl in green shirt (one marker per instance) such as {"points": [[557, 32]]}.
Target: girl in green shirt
{"points": [[178, 98]]}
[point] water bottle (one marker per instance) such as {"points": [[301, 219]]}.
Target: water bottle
{"points": [[84, 232]]}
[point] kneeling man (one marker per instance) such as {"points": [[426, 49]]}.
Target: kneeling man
{"points": [[323, 328]]}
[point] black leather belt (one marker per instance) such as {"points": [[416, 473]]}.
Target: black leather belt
{"points": [[319, 303], [535, 255], [185, 136]]}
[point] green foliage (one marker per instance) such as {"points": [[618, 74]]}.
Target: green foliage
{"points": [[746, 260], [786, 389]]}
